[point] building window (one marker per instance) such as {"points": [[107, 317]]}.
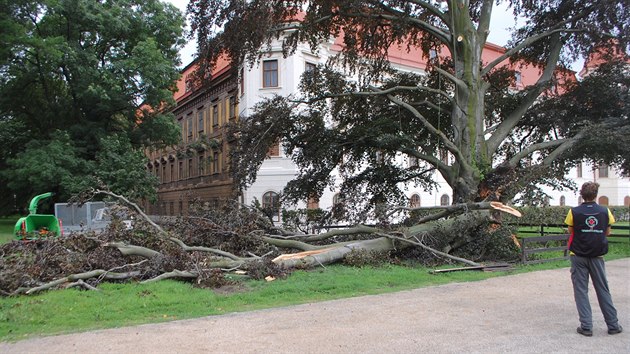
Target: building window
{"points": [[413, 161], [312, 203], [337, 199], [579, 170], [380, 157], [270, 73], [189, 122], [414, 201], [444, 200], [338, 207], [603, 200], [215, 115], [274, 150], [563, 201], [232, 108], [172, 172], [200, 124], [603, 171], [242, 81], [188, 85], [271, 205], [518, 78], [309, 66], [190, 168], [443, 156], [201, 165], [215, 162], [181, 170], [172, 208], [163, 173]]}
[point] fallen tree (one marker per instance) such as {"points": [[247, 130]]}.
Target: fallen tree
{"points": [[202, 247]]}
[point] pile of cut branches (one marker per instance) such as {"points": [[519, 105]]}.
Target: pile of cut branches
{"points": [[210, 242]]}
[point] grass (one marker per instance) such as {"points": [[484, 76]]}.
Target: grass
{"points": [[116, 305], [6, 228]]}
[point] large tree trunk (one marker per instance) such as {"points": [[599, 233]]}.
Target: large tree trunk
{"points": [[467, 116], [462, 225]]}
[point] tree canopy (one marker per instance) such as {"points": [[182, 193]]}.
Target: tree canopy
{"points": [[463, 106], [74, 75]]}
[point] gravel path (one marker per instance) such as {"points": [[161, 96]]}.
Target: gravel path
{"points": [[523, 313]]}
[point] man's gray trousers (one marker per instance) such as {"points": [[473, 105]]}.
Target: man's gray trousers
{"points": [[581, 268]]}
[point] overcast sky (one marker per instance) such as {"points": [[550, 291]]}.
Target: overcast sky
{"points": [[502, 19]]}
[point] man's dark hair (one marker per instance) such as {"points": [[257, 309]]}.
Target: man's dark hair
{"points": [[589, 191]]}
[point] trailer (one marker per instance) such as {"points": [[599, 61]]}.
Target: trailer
{"points": [[90, 216]]}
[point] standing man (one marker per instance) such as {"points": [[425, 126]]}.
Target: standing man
{"points": [[589, 225]]}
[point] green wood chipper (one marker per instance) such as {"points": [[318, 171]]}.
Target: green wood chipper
{"points": [[34, 226]]}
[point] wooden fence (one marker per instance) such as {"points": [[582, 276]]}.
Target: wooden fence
{"points": [[540, 244]]}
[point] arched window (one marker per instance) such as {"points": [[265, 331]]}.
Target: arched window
{"points": [[414, 201], [603, 200], [445, 200], [271, 205], [563, 201]]}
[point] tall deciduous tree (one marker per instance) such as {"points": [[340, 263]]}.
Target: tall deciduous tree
{"points": [[73, 73], [464, 106]]}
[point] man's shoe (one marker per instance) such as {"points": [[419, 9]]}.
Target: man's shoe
{"points": [[586, 332], [618, 330]]}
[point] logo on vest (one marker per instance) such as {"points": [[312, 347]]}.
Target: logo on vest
{"points": [[591, 222]]}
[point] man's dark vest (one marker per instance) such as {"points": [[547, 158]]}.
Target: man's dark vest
{"points": [[590, 222]]}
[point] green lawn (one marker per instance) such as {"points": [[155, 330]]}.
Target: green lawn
{"points": [[115, 305], [6, 228]]}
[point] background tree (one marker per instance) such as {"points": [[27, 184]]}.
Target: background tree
{"points": [[74, 73], [464, 106]]}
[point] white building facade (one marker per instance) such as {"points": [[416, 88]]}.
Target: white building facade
{"points": [[276, 75]]}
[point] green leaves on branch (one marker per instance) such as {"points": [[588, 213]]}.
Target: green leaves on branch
{"points": [[75, 75]]}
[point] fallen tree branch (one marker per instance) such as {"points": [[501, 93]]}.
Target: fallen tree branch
{"points": [[174, 274], [464, 207], [432, 250], [205, 249], [131, 250], [359, 229], [299, 245], [82, 284], [85, 275], [334, 254]]}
